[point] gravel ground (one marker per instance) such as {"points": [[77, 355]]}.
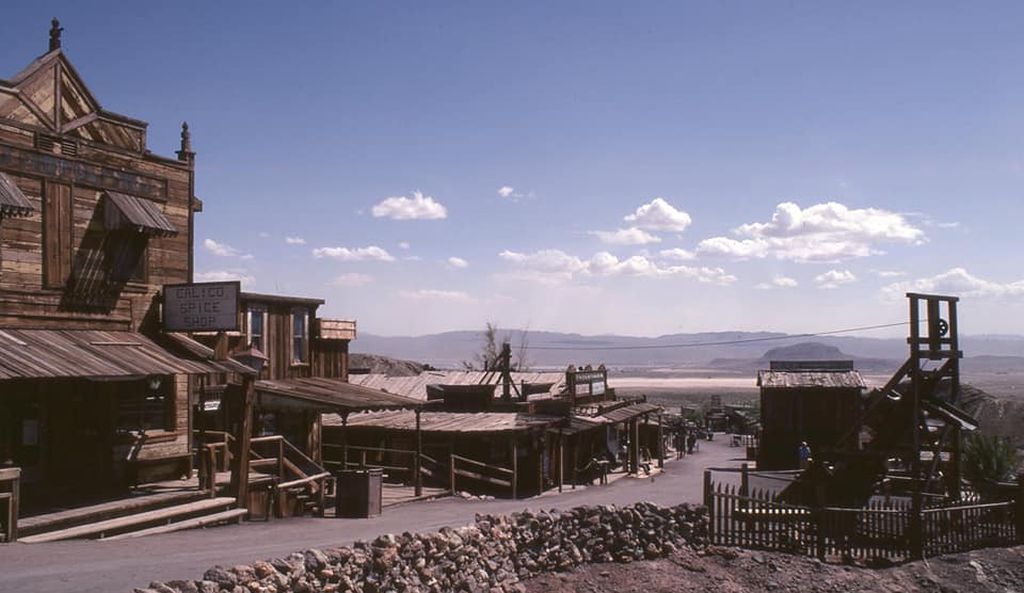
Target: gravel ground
{"points": [[727, 570]]}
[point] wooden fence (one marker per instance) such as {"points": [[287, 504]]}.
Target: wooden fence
{"points": [[891, 530]]}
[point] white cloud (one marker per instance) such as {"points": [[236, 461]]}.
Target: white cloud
{"points": [[834, 278], [352, 280], [888, 273], [630, 236], [778, 281], [418, 207], [458, 263], [295, 240], [430, 294], [659, 215], [606, 264], [403, 245], [828, 232], [959, 282], [553, 264], [506, 191], [678, 254], [370, 253], [546, 263], [243, 276], [223, 249], [264, 235]]}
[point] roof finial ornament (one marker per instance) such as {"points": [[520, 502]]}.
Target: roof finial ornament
{"points": [[55, 31], [186, 153]]}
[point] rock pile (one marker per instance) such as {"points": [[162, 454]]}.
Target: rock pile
{"points": [[491, 556]]}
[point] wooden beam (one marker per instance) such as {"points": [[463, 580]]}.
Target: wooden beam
{"points": [[77, 123], [515, 466], [240, 475], [418, 479]]}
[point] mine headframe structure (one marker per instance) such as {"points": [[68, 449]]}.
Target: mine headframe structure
{"points": [[908, 437]]}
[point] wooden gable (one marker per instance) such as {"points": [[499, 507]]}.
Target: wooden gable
{"points": [[50, 96]]}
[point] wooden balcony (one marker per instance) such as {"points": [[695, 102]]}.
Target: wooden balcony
{"points": [[336, 329]]}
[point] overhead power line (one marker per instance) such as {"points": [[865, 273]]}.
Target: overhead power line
{"points": [[848, 330]]}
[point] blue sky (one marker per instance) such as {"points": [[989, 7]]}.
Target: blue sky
{"points": [[813, 160]]}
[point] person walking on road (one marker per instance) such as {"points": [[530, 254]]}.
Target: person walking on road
{"points": [[804, 454]]}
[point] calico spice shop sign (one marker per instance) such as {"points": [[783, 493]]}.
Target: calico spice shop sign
{"points": [[206, 306]]}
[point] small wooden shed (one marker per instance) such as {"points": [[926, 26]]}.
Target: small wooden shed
{"points": [[812, 401]]}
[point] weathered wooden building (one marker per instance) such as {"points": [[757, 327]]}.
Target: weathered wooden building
{"points": [[812, 401], [92, 224]]}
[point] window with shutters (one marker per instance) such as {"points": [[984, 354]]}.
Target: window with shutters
{"points": [[58, 231]]}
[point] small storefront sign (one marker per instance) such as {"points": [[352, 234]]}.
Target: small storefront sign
{"points": [[199, 307]]}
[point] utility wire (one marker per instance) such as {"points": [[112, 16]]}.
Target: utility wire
{"points": [[847, 330]]}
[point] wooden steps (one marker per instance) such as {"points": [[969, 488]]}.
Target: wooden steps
{"points": [[28, 526], [137, 520], [203, 521]]}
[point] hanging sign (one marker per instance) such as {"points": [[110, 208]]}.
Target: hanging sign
{"points": [[201, 307]]}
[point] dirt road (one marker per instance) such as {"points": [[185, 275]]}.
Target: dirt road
{"points": [[118, 566]]}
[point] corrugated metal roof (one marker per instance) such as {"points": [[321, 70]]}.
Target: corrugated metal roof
{"points": [[629, 412], [48, 353], [139, 214], [806, 379], [334, 394], [416, 386], [446, 422], [184, 345], [12, 201]]}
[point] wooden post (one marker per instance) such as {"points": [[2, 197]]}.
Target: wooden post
{"points": [[515, 467], [451, 471], [707, 489], [280, 457], [540, 466], [633, 427], [1020, 507], [15, 504], [819, 515], [344, 441], [561, 461], [575, 460], [661, 444], [418, 479], [243, 440]]}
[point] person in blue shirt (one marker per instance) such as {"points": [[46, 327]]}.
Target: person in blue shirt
{"points": [[804, 454]]}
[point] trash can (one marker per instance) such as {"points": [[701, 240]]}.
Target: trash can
{"points": [[358, 493]]}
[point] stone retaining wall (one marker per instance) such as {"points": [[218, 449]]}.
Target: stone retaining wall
{"points": [[491, 556]]}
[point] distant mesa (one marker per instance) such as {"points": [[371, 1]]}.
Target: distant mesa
{"points": [[805, 351]]}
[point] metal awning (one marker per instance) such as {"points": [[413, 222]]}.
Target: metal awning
{"points": [[143, 216], [628, 412], [92, 354], [446, 422], [331, 395], [12, 201]]}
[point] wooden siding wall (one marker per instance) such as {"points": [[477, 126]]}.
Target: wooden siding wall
{"points": [[330, 359], [277, 339], [34, 286], [789, 416]]}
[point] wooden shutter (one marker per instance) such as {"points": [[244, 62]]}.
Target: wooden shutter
{"points": [[57, 234]]}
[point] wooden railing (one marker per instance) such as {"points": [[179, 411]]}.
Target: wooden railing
{"points": [[365, 457], [293, 469], [496, 476], [891, 530], [10, 499]]}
